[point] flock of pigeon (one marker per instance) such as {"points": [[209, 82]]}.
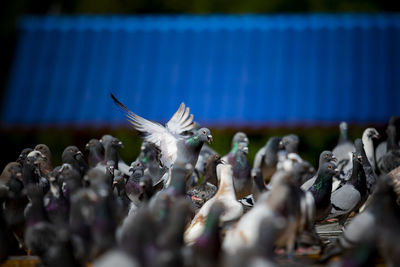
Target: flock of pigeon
{"points": [[181, 204]]}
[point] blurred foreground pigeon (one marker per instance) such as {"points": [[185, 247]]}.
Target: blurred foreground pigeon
{"points": [[391, 159]]}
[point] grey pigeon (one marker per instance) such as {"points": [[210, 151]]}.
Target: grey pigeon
{"points": [[241, 168], [343, 150], [324, 157], [291, 143], [239, 137], [96, 152], [352, 195], [24, 153], [382, 147], [266, 158], [370, 175], [321, 190], [174, 146], [72, 155], [132, 187], [391, 159], [111, 145], [150, 158]]}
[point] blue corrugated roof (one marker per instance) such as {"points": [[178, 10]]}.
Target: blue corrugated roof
{"points": [[230, 70]]}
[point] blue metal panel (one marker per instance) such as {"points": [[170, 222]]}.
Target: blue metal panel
{"points": [[230, 70]]}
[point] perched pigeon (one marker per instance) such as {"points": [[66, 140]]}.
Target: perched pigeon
{"points": [[150, 158], [391, 159], [343, 151], [111, 145], [266, 158], [46, 165], [242, 181], [382, 147], [72, 155], [352, 195], [96, 152], [239, 137], [132, 187], [321, 190], [23, 155], [291, 142], [370, 175], [367, 138], [174, 146], [324, 157]]}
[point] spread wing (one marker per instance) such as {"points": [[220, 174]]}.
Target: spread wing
{"points": [[153, 132], [181, 121]]}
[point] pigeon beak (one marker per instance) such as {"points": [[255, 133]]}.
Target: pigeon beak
{"points": [[247, 140], [19, 175], [115, 183], [334, 159], [87, 146], [120, 144], [246, 150], [222, 161], [209, 138], [377, 136]]}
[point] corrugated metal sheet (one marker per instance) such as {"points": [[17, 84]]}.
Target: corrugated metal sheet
{"points": [[231, 70]]}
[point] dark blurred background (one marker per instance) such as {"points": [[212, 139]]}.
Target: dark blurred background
{"points": [[314, 137]]}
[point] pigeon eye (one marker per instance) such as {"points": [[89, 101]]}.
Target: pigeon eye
{"points": [[138, 164], [204, 132], [329, 167]]}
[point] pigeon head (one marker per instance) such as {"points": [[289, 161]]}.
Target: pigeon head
{"points": [[371, 133], [136, 165], [44, 149], [329, 169], [274, 144], [204, 135], [116, 143], [13, 169], [23, 155], [240, 137], [34, 158], [93, 144], [343, 126], [290, 142], [357, 156], [243, 147], [326, 156], [71, 153]]}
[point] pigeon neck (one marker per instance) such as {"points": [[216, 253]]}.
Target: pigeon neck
{"points": [[234, 148], [226, 184], [358, 178], [136, 175], [95, 156], [343, 136], [368, 150], [29, 174], [111, 153], [194, 141], [210, 175], [323, 182]]}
